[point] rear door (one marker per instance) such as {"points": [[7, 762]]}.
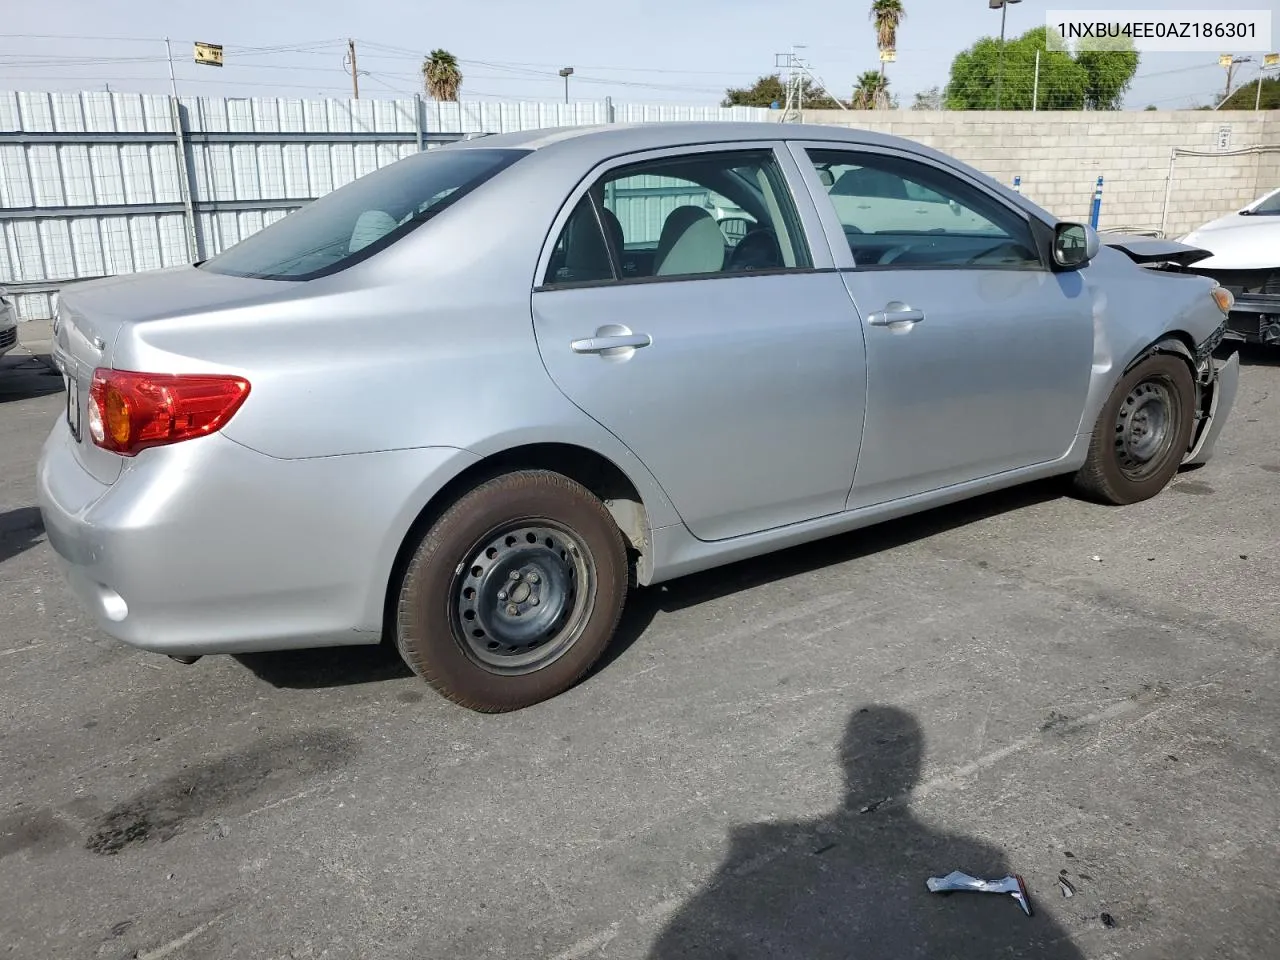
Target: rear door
{"points": [[979, 355], [726, 356]]}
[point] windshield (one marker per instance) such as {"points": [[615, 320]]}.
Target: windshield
{"points": [[1269, 206], [359, 219]]}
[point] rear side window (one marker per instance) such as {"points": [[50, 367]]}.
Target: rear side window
{"points": [[365, 216]]}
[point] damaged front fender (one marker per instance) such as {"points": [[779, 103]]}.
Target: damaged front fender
{"points": [[1218, 388]]}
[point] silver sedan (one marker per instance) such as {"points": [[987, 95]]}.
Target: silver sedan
{"points": [[469, 401]]}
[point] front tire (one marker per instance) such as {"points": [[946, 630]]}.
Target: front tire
{"points": [[514, 593], [1142, 433]]}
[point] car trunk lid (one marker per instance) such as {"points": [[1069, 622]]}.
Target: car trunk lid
{"points": [[89, 319]]}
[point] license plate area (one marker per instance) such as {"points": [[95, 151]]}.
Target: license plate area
{"points": [[73, 406]]}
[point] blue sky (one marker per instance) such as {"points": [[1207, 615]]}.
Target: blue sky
{"points": [[683, 51]]}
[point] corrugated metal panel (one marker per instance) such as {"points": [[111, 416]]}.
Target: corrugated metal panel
{"points": [[105, 173]]}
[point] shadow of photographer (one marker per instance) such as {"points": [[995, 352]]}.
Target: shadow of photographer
{"points": [[851, 883]]}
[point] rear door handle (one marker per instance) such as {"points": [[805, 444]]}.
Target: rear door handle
{"points": [[895, 313], [601, 344]]}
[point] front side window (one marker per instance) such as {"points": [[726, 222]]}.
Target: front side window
{"points": [[696, 215], [900, 213], [359, 219]]}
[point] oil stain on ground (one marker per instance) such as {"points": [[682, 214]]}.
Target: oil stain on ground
{"points": [[1193, 487], [272, 766]]}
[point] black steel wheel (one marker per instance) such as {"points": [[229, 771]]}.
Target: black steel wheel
{"points": [[523, 596], [513, 593], [1142, 433]]}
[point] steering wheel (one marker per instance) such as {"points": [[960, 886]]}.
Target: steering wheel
{"points": [[758, 250], [893, 253]]}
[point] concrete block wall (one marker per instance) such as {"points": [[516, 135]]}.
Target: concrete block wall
{"points": [[1061, 155]]}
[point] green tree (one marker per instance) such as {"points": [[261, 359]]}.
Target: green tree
{"points": [[1096, 77], [441, 76], [1111, 63], [872, 92], [771, 89], [931, 99], [1247, 96]]}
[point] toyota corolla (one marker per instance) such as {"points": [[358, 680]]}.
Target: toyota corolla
{"points": [[470, 400]]}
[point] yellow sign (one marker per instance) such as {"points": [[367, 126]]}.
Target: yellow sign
{"points": [[1271, 60], [1226, 60], [209, 54], [888, 56]]}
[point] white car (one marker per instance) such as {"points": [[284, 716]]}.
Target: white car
{"points": [[8, 324], [1245, 248]]}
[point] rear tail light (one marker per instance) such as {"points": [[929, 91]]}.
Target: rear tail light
{"points": [[129, 412]]}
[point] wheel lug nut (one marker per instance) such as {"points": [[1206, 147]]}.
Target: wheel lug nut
{"points": [[534, 600], [502, 595], [533, 576], [513, 610], [515, 574]]}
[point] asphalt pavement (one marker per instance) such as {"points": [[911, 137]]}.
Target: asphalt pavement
{"points": [[770, 763]]}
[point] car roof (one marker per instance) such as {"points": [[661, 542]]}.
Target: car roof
{"points": [[585, 146], [628, 137]]}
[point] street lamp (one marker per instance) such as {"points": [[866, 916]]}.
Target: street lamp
{"points": [[1003, 7], [566, 72]]}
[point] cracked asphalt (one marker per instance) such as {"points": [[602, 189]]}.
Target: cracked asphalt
{"points": [[770, 763]]}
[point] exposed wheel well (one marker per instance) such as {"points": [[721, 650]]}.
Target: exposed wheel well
{"points": [[595, 472], [1176, 342]]}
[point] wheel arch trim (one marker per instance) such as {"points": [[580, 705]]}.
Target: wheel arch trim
{"points": [[632, 496]]}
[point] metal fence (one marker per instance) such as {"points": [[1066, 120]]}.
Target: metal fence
{"points": [[98, 184]]}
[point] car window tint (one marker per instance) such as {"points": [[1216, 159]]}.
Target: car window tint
{"points": [[699, 214], [580, 254], [365, 216], [898, 213]]}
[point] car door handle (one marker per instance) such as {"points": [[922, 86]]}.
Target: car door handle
{"points": [[895, 313], [601, 344]]}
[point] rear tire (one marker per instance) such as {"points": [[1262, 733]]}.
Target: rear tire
{"points": [[514, 593], [1142, 433]]}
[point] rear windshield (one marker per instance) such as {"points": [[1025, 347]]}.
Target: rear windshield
{"points": [[359, 219]]}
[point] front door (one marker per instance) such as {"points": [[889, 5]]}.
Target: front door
{"points": [[978, 354], [680, 308]]}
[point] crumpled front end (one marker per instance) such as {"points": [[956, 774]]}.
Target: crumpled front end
{"points": [[1217, 382], [1255, 317]]}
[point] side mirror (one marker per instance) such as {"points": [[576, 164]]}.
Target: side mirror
{"points": [[1074, 245]]}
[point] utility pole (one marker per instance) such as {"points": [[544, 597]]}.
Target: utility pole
{"points": [[168, 52], [798, 72], [566, 72], [1035, 89], [1230, 62], [1269, 62], [355, 73], [1003, 7]]}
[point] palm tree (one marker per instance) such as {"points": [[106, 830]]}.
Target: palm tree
{"points": [[887, 16], [872, 90], [441, 76]]}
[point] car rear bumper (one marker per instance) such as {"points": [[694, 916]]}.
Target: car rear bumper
{"points": [[210, 547]]}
